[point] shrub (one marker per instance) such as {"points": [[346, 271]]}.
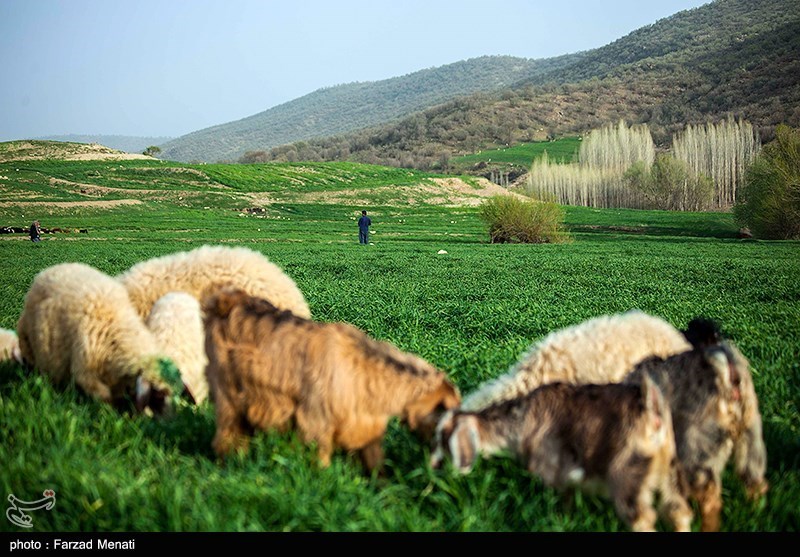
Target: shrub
{"points": [[513, 220], [770, 201], [670, 184]]}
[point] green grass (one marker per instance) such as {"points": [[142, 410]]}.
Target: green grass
{"points": [[522, 155], [471, 312]]}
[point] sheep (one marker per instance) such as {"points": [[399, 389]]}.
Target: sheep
{"points": [[205, 269], [77, 324], [176, 321], [268, 367], [9, 346], [715, 415], [600, 350], [611, 439]]}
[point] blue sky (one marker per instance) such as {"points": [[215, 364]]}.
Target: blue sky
{"points": [[169, 67]]}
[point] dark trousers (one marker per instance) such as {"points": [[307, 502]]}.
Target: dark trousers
{"points": [[363, 236]]}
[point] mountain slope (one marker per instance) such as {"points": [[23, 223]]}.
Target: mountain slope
{"points": [[729, 57], [353, 106]]}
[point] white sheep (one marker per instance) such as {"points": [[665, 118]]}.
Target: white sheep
{"points": [[78, 323], [602, 350], [9, 346], [176, 320], [202, 271]]}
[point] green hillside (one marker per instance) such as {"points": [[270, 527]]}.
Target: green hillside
{"points": [[353, 106], [728, 57]]}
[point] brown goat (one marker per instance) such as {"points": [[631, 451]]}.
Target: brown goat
{"points": [[715, 415], [268, 367], [614, 439]]}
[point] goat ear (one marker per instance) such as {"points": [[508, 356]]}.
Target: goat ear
{"points": [[725, 366], [222, 301], [464, 444], [655, 405]]}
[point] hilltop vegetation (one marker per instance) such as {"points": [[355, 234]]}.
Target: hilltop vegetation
{"points": [[58, 150], [730, 57], [128, 144], [353, 106]]}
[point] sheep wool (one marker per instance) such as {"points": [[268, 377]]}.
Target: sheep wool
{"points": [[78, 323], [202, 271], [176, 320], [9, 345], [600, 350]]}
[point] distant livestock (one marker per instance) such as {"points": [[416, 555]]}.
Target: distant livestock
{"points": [[202, 271], [269, 368], [78, 324], [600, 350], [176, 321]]}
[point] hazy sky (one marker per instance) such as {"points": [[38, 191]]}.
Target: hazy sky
{"points": [[169, 67]]}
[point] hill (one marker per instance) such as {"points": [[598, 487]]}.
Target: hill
{"points": [[728, 57], [127, 143], [353, 106], [58, 150]]}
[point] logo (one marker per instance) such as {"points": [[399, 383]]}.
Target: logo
{"points": [[15, 513]]}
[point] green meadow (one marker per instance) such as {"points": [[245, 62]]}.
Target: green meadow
{"points": [[471, 311], [521, 155]]}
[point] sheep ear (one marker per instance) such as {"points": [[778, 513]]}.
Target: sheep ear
{"points": [[464, 444]]}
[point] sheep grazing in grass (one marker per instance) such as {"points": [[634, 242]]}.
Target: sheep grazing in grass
{"points": [[715, 416], [176, 321], [9, 346], [268, 367], [612, 439], [202, 271], [77, 324], [600, 350]]}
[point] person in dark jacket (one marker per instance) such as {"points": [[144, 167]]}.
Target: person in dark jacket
{"points": [[363, 228], [35, 232]]}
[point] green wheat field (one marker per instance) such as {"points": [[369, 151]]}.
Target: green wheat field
{"points": [[471, 311]]}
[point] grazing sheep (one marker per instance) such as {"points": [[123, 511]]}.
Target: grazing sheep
{"points": [[9, 346], [176, 321], [600, 350], [78, 324], [715, 415], [613, 439], [268, 366], [201, 271]]}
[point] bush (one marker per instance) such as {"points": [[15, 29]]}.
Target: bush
{"points": [[670, 184], [769, 203], [518, 221]]}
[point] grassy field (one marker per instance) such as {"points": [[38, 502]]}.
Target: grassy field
{"points": [[522, 155], [471, 311]]}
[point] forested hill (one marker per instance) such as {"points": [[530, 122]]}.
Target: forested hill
{"points": [[729, 57], [354, 106]]}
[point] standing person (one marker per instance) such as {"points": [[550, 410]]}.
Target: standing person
{"points": [[35, 232], [363, 228]]}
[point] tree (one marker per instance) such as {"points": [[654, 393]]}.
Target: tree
{"points": [[770, 200], [152, 151]]}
